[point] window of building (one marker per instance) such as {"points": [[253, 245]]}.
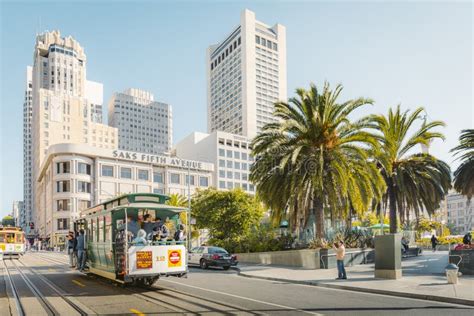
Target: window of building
{"points": [[222, 184], [221, 152], [83, 205], [192, 179], [63, 186], [143, 175], [221, 163], [175, 178], [83, 168], [229, 164], [244, 156], [229, 153], [230, 185], [83, 187], [221, 173], [203, 181], [157, 191], [63, 167], [257, 39], [244, 166], [62, 223], [229, 174], [237, 165], [158, 177], [125, 173], [107, 171], [62, 205], [236, 155]]}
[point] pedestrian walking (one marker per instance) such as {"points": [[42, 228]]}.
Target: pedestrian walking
{"points": [[340, 253], [81, 251], [71, 249], [434, 242]]}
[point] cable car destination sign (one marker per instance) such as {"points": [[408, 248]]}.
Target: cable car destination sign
{"points": [[162, 160]]}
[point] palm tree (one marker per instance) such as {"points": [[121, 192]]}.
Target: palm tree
{"points": [[464, 174], [314, 159], [414, 181], [181, 201]]}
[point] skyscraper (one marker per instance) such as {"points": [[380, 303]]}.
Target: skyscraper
{"points": [[26, 216], [246, 74], [144, 125], [61, 108]]}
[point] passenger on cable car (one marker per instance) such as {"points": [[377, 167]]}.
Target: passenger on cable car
{"points": [[160, 231], [132, 225], [148, 226], [140, 239]]}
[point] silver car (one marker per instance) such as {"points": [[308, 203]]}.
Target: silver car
{"points": [[209, 256]]}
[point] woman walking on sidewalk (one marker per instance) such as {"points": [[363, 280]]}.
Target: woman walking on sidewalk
{"points": [[340, 253]]}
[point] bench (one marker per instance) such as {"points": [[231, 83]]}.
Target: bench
{"points": [[413, 251]]}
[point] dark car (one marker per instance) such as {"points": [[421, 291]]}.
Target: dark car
{"points": [[208, 256]]}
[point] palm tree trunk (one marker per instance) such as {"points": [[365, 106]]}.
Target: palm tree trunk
{"points": [[319, 217], [393, 208]]}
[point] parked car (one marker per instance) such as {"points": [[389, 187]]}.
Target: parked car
{"points": [[209, 256]]}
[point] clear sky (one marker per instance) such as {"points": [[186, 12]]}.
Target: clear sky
{"points": [[408, 53]]}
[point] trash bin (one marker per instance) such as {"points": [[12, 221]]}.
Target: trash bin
{"points": [[452, 273]]}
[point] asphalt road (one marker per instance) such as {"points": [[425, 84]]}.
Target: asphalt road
{"points": [[212, 291]]}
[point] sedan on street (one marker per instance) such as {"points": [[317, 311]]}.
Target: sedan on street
{"points": [[209, 256]]}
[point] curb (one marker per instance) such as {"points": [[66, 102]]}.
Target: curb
{"points": [[425, 297]]}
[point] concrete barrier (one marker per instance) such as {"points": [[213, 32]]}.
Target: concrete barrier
{"points": [[464, 259], [305, 258], [353, 256]]}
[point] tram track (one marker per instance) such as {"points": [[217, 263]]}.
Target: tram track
{"points": [[19, 306], [48, 308], [164, 296]]}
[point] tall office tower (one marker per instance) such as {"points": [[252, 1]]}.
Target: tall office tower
{"points": [[246, 74], [16, 211], [61, 110], [144, 125], [25, 216]]}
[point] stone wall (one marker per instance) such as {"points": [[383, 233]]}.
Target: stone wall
{"points": [[305, 258]]}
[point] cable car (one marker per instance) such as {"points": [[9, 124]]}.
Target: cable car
{"points": [[12, 242], [112, 249]]}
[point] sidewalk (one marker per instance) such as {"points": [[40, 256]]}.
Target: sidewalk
{"points": [[423, 278]]}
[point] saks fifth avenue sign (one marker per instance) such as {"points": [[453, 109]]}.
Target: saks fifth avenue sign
{"points": [[161, 160]]}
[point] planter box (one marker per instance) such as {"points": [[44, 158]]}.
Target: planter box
{"points": [[305, 258], [353, 256], [467, 264]]}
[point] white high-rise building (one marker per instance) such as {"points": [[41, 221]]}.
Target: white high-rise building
{"points": [[17, 211], [246, 75], [62, 106], [230, 154], [144, 125], [26, 215], [460, 212]]}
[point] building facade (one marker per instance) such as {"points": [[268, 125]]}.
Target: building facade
{"points": [[460, 212], [17, 210], [61, 102], [246, 75], [26, 213], [144, 125], [229, 153], [74, 177]]}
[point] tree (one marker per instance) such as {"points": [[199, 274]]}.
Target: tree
{"points": [[228, 215], [8, 221], [176, 199], [464, 174], [314, 159], [413, 180]]}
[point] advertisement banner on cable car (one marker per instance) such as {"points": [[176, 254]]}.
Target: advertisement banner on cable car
{"points": [[156, 259]]}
